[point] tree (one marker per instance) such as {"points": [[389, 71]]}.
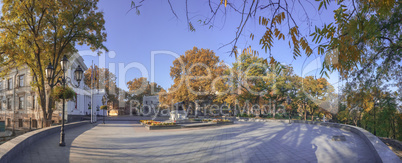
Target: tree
{"points": [[279, 86], [140, 87], [250, 77], [165, 99], [302, 103], [38, 32], [358, 24], [195, 75], [388, 116], [318, 91], [364, 33], [366, 39], [103, 79]]}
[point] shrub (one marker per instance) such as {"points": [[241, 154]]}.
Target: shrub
{"points": [[67, 93], [103, 107]]}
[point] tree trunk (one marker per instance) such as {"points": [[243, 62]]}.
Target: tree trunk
{"points": [[50, 110], [393, 127], [46, 109], [256, 102], [360, 118]]}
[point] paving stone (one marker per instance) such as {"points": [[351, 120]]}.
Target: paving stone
{"points": [[128, 141]]}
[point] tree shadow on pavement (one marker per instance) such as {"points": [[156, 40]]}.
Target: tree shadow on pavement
{"points": [[244, 142]]}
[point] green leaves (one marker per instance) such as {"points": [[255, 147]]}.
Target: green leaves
{"points": [[323, 2], [133, 6], [67, 93]]}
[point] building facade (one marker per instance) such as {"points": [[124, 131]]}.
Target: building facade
{"points": [[19, 106], [150, 100], [149, 105]]}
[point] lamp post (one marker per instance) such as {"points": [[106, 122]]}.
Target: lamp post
{"points": [[97, 110], [62, 80], [104, 100], [289, 101], [375, 131], [103, 116]]}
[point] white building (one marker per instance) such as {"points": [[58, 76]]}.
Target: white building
{"points": [[19, 106], [150, 100], [76, 110], [149, 104]]}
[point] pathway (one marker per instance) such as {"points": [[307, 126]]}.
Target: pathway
{"points": [[128, 141]]}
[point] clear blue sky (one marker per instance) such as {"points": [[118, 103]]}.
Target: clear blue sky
{"points": [[132, 38]]}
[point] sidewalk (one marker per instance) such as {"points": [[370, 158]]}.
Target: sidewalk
{"points": [[48, 150], [128, 141]]}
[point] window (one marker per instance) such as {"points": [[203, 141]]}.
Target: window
{"points": [[1, 85], [20, 123], [9, 103], [10, 84], [33, 101], [34, 123], [21, 81], [21, 103], [8, 122]]}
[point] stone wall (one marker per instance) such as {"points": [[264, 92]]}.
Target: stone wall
{"points": [[12, 148]]}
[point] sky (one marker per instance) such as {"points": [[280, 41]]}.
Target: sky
{"points": [[132, 39], [141, 44]]}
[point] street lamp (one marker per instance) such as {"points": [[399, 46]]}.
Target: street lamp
{"points": [[104, 99], [62, 80], [375, 131], [289, 101]]}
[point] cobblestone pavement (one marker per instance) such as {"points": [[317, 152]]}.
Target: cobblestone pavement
{"points": [[128, 141]]}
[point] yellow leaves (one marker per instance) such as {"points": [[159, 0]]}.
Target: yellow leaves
{"points": [[272, 61], [263, 21], [276, 32], [195, 73], [266, 40], [250, 51], [293, 31], [225, 2], [305, 46], [252, 36], [192, 29], [279, 35], [278, 18]]}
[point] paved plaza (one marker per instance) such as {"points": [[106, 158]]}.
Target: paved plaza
{"points": [[128, 141]]}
